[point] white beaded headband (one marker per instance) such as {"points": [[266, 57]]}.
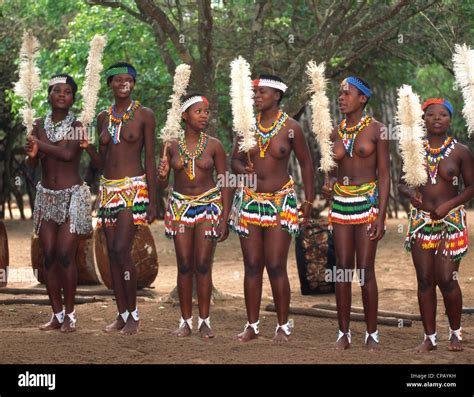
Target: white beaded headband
{"points": [[191, 101], [279, 85], [57, 80]]}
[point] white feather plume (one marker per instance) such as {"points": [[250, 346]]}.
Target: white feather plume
{"points": [[173, 120], [463, 60], [321, 115], [241, 99], [29, 80], [411, 130], [91, 86]]}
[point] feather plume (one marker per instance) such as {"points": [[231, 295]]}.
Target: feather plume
{"points": [[241, 94], [173, 120], [411, 130], [463, 60], [29, 80], [91, 85], [321, 115]]}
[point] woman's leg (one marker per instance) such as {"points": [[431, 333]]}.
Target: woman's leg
{"points": [[203, 258], [184, 248], [344, 244], [365, 259], [254, 263], [276, 243], [446, 274], [423, 259], [47, 237], [66, 249]]}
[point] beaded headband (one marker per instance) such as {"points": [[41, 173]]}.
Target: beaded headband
{"points": [[438, 101], [278, 85], [191, 101], [358, 84], [121, 70], [57, 80]]}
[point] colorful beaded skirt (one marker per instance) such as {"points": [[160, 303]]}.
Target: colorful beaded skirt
{"points": [[116, 195], [450, 233], [354, 205], [262, 209], [185, 211]]}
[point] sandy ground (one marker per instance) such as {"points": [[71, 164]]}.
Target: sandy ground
{"points": [[312, 341]]}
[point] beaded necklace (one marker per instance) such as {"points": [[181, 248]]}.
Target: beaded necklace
{"points": [[188, 157], [57, 131], [116, 121], [434, 156], [265, 134], [349, 134]]}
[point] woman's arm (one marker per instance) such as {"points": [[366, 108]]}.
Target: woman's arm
{"points": [[65, 152], [150, 162], [220, 161], [31, 148], [383, 176], [239, 162], [164, 167], [303, 155], [97, 158]]}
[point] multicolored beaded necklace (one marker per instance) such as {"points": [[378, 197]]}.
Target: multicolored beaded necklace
{"points": [[265, 134], [188, 157], [349, 134], [116, 121], [434, 156]]}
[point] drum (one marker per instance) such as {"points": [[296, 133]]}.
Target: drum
{"points": [[144, 256], [314, 255], [87, 274]]}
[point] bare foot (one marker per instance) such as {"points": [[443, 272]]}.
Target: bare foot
{"points": [[116, 325], [182, 331], [343, 343], [206, 332], [424, 347], [247, 335], [455, 344], [131, 326], [372, 344], [67, 325], [280, 337], [51, 324]]}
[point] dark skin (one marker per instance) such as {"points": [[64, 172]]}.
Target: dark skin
{"points": [[60, 170], [135, 136], [194, 253], [357, 244], [268, 247], [438, 199]]}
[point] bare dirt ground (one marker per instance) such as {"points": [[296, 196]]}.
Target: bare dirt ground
{"points": [[312, 341]]}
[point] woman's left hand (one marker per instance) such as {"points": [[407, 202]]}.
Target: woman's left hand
{"points": [[305, 210], [377, 229], [222, 231], [440, 212], [150, 214]]}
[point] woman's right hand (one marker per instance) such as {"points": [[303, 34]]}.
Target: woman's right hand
{"points": [[327, 190], [249, 169], [416, 199], [31, 147], [163, 168]]}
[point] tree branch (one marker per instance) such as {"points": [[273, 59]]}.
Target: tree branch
{"points": [[156, 13], [118, 4]]}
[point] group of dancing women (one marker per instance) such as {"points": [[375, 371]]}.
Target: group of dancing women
{"points": [[200, 212]]}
